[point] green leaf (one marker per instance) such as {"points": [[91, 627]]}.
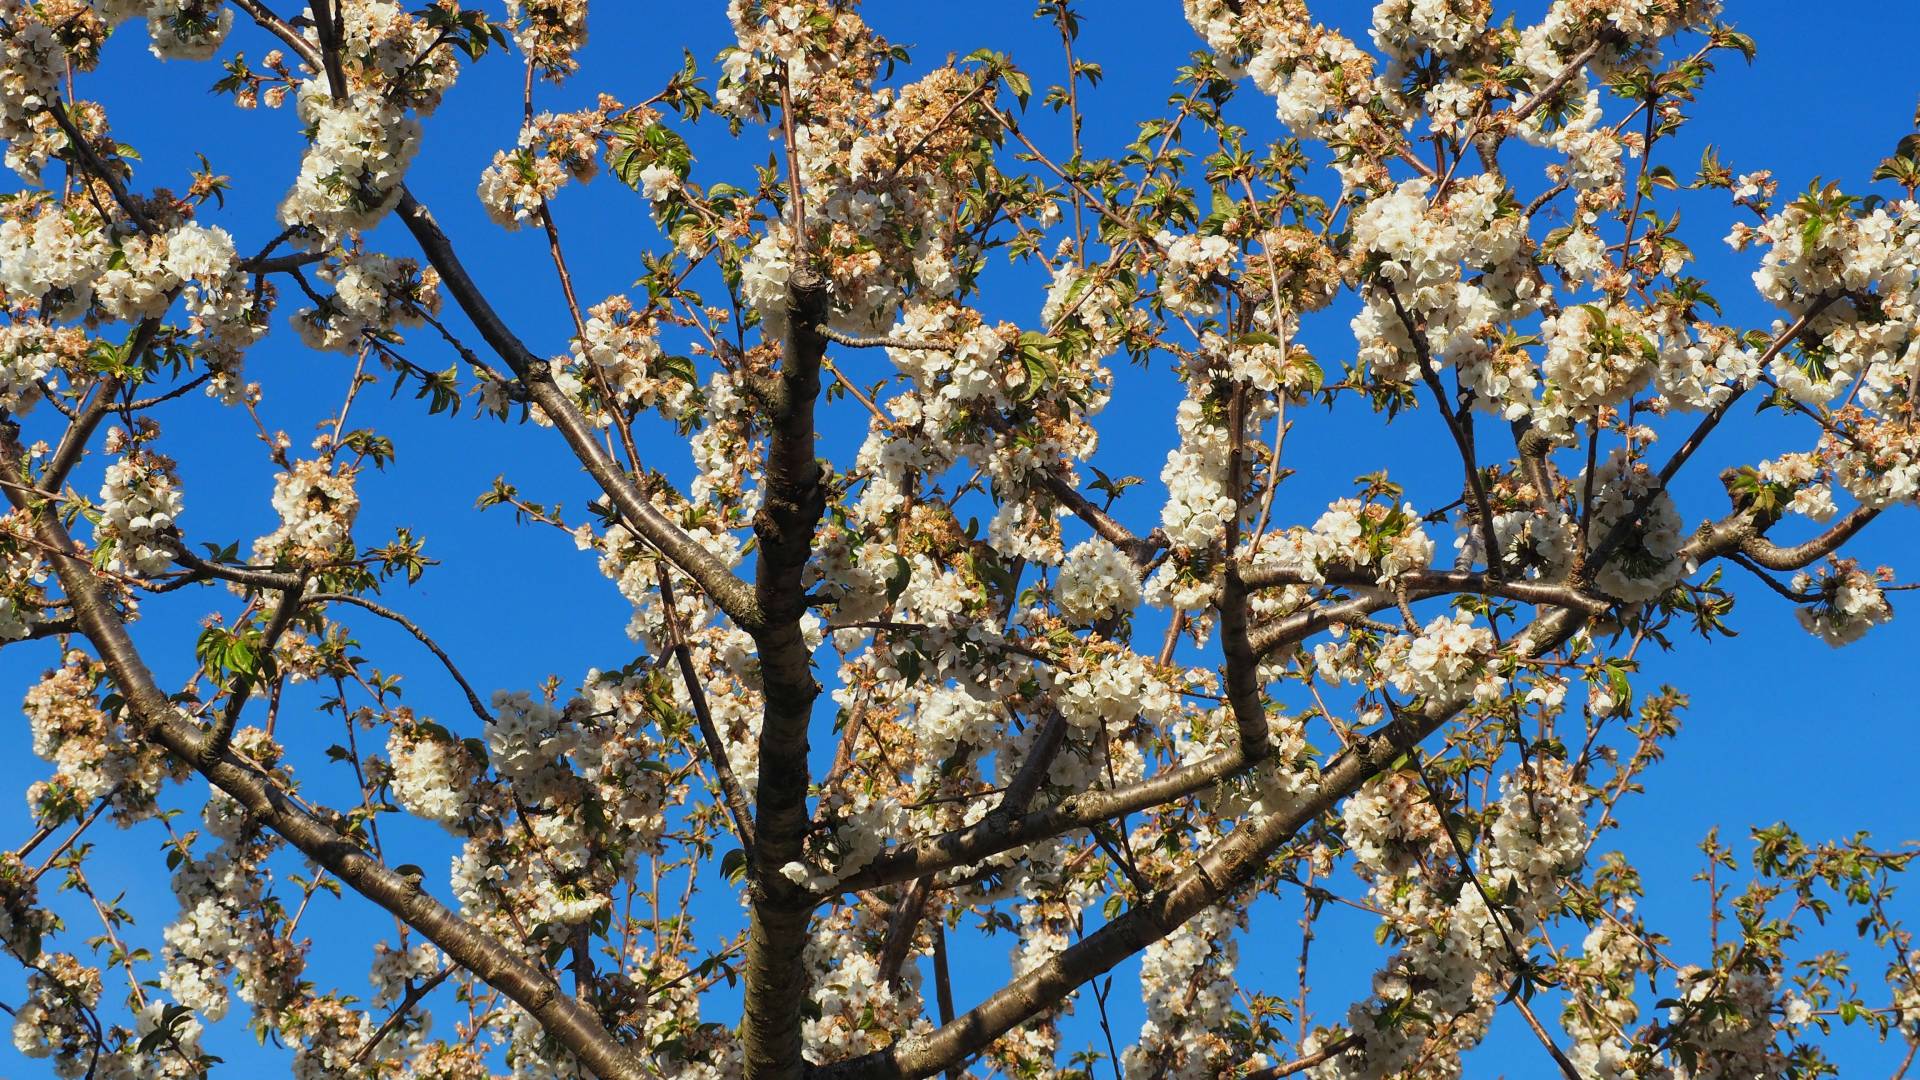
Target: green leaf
{"points": [[680, 367], [1111, 487], [1021, 86], [1317, 376], [897, 581]]}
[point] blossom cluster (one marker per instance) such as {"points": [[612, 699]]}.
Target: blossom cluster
{"points": [[362, 136], [1456, 940], [94, 755], [374, 296], [1844, 602], [1447, 657], [620, 359], [1193, 262], [1631, 508], [550, 32], [317, 503], [227, 940], [1097, 581], [355, 169], [139, 502], [1378, 539]]}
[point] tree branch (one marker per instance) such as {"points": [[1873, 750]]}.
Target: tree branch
{"points": [[221, 736], [1698, 436], [1421, 584], [1458, 425], [998, 832], [1774, 557], [156, 717], [794, 501], [415, 992], [1141, 549], [728, 591], [473, 700], [1242, 663], [1224, 868], [730, 790], [1301, 1064]]}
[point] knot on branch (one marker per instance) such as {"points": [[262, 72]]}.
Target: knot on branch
{"points": [[788, 518]]}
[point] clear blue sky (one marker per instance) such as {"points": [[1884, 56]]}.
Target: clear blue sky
{"points": [[1779, 728]]}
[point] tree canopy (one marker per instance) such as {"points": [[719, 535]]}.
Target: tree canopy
{"points": [[911, 668]]}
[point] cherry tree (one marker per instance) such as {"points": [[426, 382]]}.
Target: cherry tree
{"points": [[1103, 720]]}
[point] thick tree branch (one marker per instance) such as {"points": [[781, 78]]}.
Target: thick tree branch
{"points": [[1424, 583], [1283, 632], [1034, 767], [902, 923], [1737, 532], [1799, 556], [791, 510], [200, 569], [1242, 663], [91, 162], [1141, 549]]}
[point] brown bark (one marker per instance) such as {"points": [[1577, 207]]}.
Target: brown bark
{"points": [[1242, 678], [1774, 557], [792, 504]]}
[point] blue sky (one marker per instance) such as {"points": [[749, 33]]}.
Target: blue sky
{"points": [[1780, 728]]}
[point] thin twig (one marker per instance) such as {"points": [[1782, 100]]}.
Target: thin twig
{"points": [[1326, 1053], [414, 993], [735, 796], [473, 699], [78, 831]]}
